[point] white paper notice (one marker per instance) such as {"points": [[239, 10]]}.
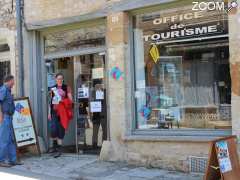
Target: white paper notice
{"points": [[96, 106], [99, 95], [56, 98], [141, 84], [97, 73], [137, 94], [223, 156], [83, 92], [51, 79]]}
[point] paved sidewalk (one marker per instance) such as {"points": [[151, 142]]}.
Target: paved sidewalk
{"points": [[87, 167]]}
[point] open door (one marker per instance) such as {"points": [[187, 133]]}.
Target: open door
{"points": [[85, 75]]}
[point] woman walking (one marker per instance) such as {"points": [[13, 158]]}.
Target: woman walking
{"points": [[60, 113]]}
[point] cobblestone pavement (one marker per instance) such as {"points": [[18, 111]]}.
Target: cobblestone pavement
{"points": [[87, 167]]}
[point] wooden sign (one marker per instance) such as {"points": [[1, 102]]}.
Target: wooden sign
{"points": [[23, 124], [223, 162]]}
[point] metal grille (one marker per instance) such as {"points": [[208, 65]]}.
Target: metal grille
{"points": [[197, 164], [225, 112], [4, 70]]}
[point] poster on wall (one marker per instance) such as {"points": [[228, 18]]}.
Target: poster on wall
{"points": [[152, 96], [51, 79], [23, 125], [96, 106], [99, 95], [97, 73], [223, 156], [116, 73], [83, 92]]}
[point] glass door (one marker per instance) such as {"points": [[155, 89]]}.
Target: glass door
{"points": [[85, 75], [90, 97]]}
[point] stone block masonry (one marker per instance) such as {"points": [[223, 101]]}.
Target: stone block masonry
{"points": [[8, 33], [7, 14]]}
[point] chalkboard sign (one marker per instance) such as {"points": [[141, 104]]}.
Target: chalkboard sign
{"points": [[223, 162], [23, 124]]}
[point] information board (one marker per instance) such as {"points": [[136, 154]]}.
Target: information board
{"points": [[223, 162], [23, 124]]}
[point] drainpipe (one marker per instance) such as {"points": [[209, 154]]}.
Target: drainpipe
{"points": [[20, 47]]}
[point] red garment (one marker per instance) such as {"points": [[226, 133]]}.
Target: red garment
{"points": [[65, 112]]}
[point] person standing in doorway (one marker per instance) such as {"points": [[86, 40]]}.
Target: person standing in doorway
{"points": [[99, 118], [59, 110], [7, 108]]}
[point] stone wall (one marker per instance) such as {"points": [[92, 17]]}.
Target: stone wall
{"points": [[39, 10], [117, 45], [7, 14], [166, 155], [234, 45], [8, 32]]}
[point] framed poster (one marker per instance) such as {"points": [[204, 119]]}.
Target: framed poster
{"points": [[23, 124]]}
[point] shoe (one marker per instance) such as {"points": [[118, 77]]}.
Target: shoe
{"points": [[3, 164], [52, 150], [59, 152], [17, 163], [94, 146]]}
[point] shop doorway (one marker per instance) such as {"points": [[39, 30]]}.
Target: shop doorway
{"points": [[85, 75]]}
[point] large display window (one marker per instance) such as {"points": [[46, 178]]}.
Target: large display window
{"points": [[182, 76]]}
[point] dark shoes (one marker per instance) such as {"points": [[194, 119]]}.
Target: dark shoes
{"points": [[95, 147], [58, 152], [3, 164], [52, 150], [10, 164], [17, 163]]}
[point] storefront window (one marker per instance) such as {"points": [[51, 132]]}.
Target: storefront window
{"points": [[75, 39], [182, 76]]}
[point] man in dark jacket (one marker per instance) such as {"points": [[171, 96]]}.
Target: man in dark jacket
{"points": [[99, 118]]}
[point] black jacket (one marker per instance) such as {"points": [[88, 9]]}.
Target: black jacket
{"points": [[97, 116]]}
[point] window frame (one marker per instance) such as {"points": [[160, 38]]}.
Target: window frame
{"points": [[132, 132]]}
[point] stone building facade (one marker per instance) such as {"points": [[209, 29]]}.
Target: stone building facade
{"points": [[133, 137], [8, 57]]}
